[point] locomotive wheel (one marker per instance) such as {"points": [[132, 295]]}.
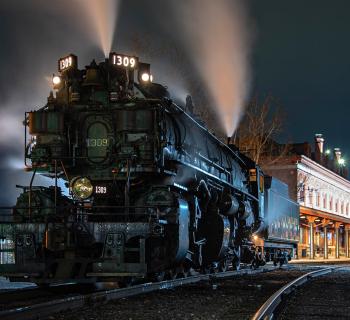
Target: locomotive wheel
{"points": [[126, 282], [157, 276], [206, 270], [211, 269], [223, 265], [254, 265], [236, 262], [172, 274], [185, 271]]}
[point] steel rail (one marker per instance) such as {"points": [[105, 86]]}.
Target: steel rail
{"points": [[266, 311], [45, 309]]}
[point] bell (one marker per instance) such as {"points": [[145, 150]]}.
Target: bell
{"points": [[92, 77]]}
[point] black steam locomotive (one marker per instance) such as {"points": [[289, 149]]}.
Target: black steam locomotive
{"points": [[152, 192]]}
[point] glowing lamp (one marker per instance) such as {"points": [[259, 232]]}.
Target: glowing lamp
{"points": [[341, 161], [144, 73], [56, 80], [82, 188], [328, 151], [145, 77]]}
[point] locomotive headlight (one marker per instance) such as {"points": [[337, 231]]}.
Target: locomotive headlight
{"points": [[144, 73], [56, 80], [145, 77], [82, 188]]}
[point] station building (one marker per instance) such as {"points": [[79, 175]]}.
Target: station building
{"points": [[318, 182]]}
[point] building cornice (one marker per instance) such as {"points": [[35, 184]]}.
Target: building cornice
{"points": [[309, 166]]}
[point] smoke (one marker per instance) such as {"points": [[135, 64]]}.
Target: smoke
{"points": [[218, 38], [103, 14], [34, 35]]}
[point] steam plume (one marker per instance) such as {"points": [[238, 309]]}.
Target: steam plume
{"points": [[103, 14], [218, 37]]}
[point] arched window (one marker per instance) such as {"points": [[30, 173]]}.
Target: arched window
{"points": [[324, 201], [330, 203]]}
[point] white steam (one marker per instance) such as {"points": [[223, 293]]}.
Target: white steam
{"points": [[102, 18], [219, 40], [12, 128]]}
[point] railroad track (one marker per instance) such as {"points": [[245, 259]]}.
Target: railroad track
{"points": [[278, 305], [44, 309], [23, 297], [244, 285], [219, 298]]}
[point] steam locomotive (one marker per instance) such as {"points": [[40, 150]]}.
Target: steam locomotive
{"points": [[152, 192]]}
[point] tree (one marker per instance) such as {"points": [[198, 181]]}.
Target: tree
{"points": [[258, 129]]}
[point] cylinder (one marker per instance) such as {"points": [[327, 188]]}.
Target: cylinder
{"points": [[245, 210], [229, 205]]}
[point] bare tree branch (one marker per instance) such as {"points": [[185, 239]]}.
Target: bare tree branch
{"points": [[256, 134]]}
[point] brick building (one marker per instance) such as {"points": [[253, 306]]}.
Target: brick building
{"points": [[317, 181]]}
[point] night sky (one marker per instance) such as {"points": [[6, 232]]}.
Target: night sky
{"points": [[300, 55]]}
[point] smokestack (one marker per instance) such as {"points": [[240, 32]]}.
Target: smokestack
{"points": [[336, 160], [319, 142], [337, 154]]}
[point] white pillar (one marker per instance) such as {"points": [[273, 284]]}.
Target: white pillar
{"points": [[325, 256], [347, 242], [311, 230], [337, 242]]}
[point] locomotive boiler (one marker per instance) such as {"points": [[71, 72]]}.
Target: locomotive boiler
{"points": [[152, 192]]}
